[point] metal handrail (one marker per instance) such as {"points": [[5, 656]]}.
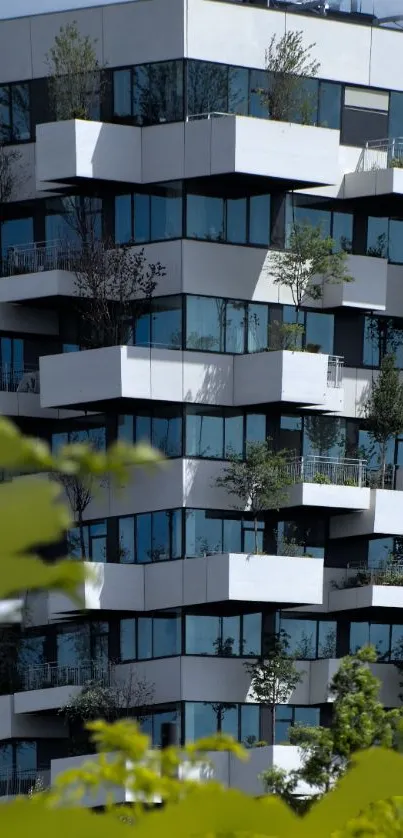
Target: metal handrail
{"points": [[333, 470], [335, 371], [35, 257], [60, 675], [381, 154], [208, 115], [19, 379], [15, 781]]}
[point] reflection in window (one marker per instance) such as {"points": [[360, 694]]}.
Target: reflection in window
{"points": [[88, 542], [15, 120], [258, 327], [259, 220], [377, 237], [287, 716], [162, 429], [151, 724], [324, 436], [207, 88], [374, 634], [150, 537], [15, 232], [238, 720], [73, 220], [329, 104], [396, 241], [149, 94], [379, 551], [309, 639], [204, 432], [141, 217], [73, 645], [223, 636], [31, 652], [342, 231], [210, 532], [205, 217], [236, 220], [205, 323]]}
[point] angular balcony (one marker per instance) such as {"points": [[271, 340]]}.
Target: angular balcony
{"points": [[328, 482], [377, 183], [234, 577], [37, 271], [15, 782], [383, 516], [367, 292], [207, 144], [364, 589], [303, 378], [51, 685], [75, 150], [99, 377], [323, 671], [109, 587]]}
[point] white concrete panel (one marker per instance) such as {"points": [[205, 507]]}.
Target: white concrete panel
{"points": [[36, 701], [149, 489], [295, 377], [252, 578], [321, 673], [199, 485], [37, 286], [386, 65], [198, 148], [12, 725], [331, 496], [169, 254], [208, 379], [384, 517], [164, 585], [356, 386], [163, 673], [394, 296], [85, 149], [15, 63], [110, 587], [44, 29], [381, 181], [369, 289], [209, 24], [81, 376], [214, 679], [368, 596], [226, 270], [343, 51], [170, 165], [132, 36], [166, 375], [15, 318]]}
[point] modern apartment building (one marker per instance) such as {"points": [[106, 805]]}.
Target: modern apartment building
{"points": [[181, 159]]}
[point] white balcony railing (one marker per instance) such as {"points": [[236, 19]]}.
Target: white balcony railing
{"points": [[56, 675], [328, 470], [19, 379], [381, 154], [34, 257], [335, 371], [26, 781]]}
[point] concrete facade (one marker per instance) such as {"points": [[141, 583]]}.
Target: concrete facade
{"points": [[187, 582]]}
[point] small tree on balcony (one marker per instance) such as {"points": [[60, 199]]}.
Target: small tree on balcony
{"points": [[384, 409], [309, 263], [289, 64], [114, 288], [75, 74], [359, 721], [274, 677], [259, 482]]}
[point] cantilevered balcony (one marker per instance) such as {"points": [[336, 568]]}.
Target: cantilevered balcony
{"points": [[367, 292], [328, 482], [37, 271], [383, 516], [208, 144], [368, 589], [216, 578], [377, 183], [51, 685], [99, 377]]}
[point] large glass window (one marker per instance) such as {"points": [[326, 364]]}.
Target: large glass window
{"points": [[15, 232], [151, 537], [88, 542], [150, 637], [309, 639], [365, 115], [149, 94], [210, 532], [329, 104], [205, 217], [324, 436], [15, 119], [287, 716], [162, 429], [223, 636], [395, 114], [238, 720], [377, 237], [205, 323], [204, 432], [396, 241], [154, 216], [207, 88], [374, 634], [73, 220], [236, 220], [259, 220]]}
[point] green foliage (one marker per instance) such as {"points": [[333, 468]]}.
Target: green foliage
{"points": [[46, 519], [384, 408], [323, 479], [359, 721], [308, 264], [274, 676], [259, 482], [288, 64], [74, 74], [286, 336]]}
